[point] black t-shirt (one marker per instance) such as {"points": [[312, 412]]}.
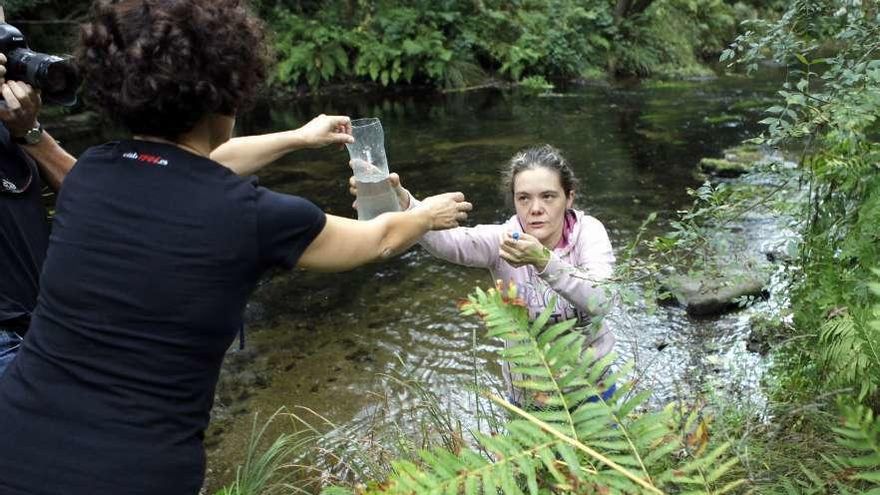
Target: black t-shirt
{"points": [[152, 256], [24, 234]]}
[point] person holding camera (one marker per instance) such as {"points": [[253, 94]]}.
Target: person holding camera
{"points": [[155, 250], [29, 157]]}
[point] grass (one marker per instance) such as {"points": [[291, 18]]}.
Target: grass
{"points": [[271, 470]]}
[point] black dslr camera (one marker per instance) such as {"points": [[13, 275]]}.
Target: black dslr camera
{"points": [[56, 77]]}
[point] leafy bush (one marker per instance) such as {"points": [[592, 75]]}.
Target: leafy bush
{"points": [[832, 114], [453, 43], [536, 85], [673, 37], [553, 38], [309, 50]]}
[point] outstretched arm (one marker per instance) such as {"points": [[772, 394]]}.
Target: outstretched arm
{"points": [[344, 243], [247, 154], [468, 246]]}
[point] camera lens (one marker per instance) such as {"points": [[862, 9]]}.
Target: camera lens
{"points": [[58, 79]]}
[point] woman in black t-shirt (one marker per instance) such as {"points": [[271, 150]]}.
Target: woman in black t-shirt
{"points": [[154, 251]]}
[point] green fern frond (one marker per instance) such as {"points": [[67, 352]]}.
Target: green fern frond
{"points": [[577, 442], [860, 433], [851, 352]]}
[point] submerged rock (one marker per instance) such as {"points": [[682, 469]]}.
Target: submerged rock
{"points": [[764, 333], [712, 293], [745, 153], [737, 161], [723, 168]]}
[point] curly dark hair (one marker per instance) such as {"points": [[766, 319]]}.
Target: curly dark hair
{"points": [[159, 66]]}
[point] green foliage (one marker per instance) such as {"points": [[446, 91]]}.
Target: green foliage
{"points": [[554, 38], [454, 43], [830, 359], [570, 445], [850, 351], [403, 44], [406, 42], [536, 85], [860, 433], [829, 106], [672, 37], [318, 54], [855, 470]]}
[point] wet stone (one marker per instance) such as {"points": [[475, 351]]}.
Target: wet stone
{"points": [[722, 167], [360, 355], [763, 334], [713, 293], [254, 313]]}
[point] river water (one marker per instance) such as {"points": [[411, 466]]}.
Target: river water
{"points": [[335, 344]]}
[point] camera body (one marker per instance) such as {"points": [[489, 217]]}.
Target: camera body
{"points": [[56, 77]]}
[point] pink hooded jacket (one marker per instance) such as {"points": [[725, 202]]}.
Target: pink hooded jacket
{"points": [[573, 273]]}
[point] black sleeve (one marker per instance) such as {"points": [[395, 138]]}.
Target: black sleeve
{"points": [[286, 225]]}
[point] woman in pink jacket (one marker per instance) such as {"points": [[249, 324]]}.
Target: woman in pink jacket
{"points": [[547, 248]]}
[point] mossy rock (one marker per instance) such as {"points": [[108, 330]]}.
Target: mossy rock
{"points": [[665, 136], [669, 83], [716, 292], [744, 153], [723, 118], [724, 168], [764, 333], [751, 104]]}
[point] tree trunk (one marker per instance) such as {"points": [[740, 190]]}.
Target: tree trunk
{"points": [[629, 8], [620, 9]]}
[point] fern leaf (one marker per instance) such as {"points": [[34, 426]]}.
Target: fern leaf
{"points": [[544, 317], [548, 336]]}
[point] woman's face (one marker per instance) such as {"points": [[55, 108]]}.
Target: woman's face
{"points": [[541, 204]]}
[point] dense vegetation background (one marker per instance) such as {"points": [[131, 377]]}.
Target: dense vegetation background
{"points": [[460, 43]]}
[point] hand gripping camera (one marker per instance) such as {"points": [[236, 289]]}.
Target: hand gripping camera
{"points": [[56, 77]]}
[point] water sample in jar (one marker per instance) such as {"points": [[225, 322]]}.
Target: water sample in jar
{"points": [[374, 192]]}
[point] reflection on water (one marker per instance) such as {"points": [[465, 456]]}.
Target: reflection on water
{"points": [[327, 342]]}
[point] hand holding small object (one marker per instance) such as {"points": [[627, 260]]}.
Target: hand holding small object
{"points": [[521, 249]]}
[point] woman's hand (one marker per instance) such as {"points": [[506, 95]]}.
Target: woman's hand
{"points": [[520, 249], [445, 211], [393, 179], [326, 129]]}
